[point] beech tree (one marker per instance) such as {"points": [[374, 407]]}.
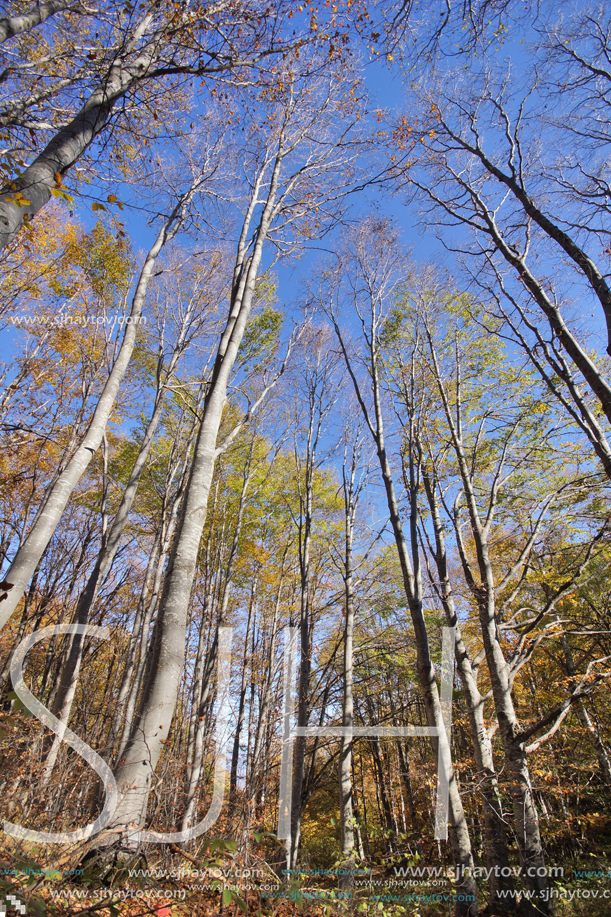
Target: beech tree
{"points": [[146, 50], [370, 278], [536, 213], [455, 366], [185, 476], [32, 548], [292, 168]]}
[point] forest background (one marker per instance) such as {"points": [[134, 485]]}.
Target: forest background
{"points": [[307, 327]]}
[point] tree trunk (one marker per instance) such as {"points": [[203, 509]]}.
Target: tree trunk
{"points": [[62, 703], [412, 582], [134, 777], [345, 758], [33, 547], [16, 25], [497, 854], [68, 145], [233, 775]]}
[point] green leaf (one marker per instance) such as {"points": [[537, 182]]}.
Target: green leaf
{"points": [[227, 896]]}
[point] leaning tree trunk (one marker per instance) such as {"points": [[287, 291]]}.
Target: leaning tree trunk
{"points": [[62, 703], [33, 547], [458, 830], [16, 25], [495, 830], [134, 776], [39, 179]]}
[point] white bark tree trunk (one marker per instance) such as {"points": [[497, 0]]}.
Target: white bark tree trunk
{"points": [[68, 145], [15, 25], [34, 545], [134, 777]]}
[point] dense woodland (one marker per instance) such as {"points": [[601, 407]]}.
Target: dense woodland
{"points": [[307, 324]]}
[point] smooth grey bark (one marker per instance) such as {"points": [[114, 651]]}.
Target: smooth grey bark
{"points": [[62, 703], [495, 829], [68, 145], [24, 621], [526, 817], [16, 25], [131, 65], [34, 545], [138, 656], [351, 496], [134, 777], [202, 673], [412, 581], [235, 752], [206, 662], [135, 652]]}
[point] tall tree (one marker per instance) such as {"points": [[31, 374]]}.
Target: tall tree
{"points": [[144, 52], [49, 513], [291, 163], [370, 275]]}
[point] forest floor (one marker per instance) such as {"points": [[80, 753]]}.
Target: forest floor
{"points": [[175, 886]]}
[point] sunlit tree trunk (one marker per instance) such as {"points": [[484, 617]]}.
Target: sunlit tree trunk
{"points": [[524, 805], [374, 279], [34, 545]]}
